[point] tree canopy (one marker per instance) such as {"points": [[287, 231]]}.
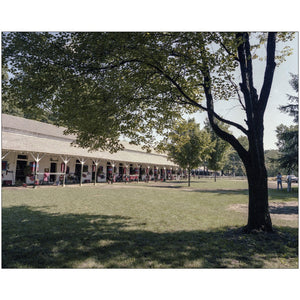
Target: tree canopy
{"points": [[293, 107], [288, 136], [187, 145], [288, 147], [133, 84]]}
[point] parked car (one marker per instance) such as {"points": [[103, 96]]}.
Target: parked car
{"points": [[294, 178]]}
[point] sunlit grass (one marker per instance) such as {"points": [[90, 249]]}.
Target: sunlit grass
{"points": [[141, 226]]}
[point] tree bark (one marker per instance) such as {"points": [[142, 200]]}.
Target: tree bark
{"points": [[258, 208]]}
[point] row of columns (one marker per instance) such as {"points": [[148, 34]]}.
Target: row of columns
{"points": [[139, 166], [39, 156]]}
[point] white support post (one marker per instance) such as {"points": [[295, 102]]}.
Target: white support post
{"points": [[4, 155], [96, 169], [113, 172], [126, 172], [82, 161], [148, 175], [37, 159], [138, 167], [66, 161], [96, 162]]}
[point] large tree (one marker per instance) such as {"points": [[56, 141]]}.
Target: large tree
{"points": [[187, 145], [103, 85]]}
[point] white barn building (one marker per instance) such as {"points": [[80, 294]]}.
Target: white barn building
{"points": [[38, 153]]}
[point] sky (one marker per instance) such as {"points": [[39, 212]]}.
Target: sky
{"points": [[280, 88]]}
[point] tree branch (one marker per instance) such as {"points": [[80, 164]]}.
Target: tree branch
{"points": [[109, 67], [194, 103], [211, 114], [247, 87], [179, 88], [237, 92], [230, 53], [238, 126], [269, 73], [221, 133]]}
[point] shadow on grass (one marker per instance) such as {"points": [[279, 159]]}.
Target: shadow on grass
{"points": [[35, 239], [284, 210], [202, 190], [275, 194], [224, 191]]}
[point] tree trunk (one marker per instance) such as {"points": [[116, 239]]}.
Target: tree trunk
{"points": [[258, 209], [189, 177], [254, 105], [215, 176]]}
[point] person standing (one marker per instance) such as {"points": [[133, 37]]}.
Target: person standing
{"points": [[279, 181], [46, 176]]}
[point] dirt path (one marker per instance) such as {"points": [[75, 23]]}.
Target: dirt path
{"points": [[280, 210]]}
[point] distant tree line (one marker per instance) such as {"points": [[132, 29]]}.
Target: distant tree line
{"points": [[287, 136]]}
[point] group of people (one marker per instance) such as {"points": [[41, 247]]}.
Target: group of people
{"points": [[288, 180], [120, 178], [126, 178]]}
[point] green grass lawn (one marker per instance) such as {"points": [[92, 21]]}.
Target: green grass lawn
{"points": [[144, 226]]}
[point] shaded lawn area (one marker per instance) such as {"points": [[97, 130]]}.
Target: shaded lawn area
{"points": [[140, 226]]}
